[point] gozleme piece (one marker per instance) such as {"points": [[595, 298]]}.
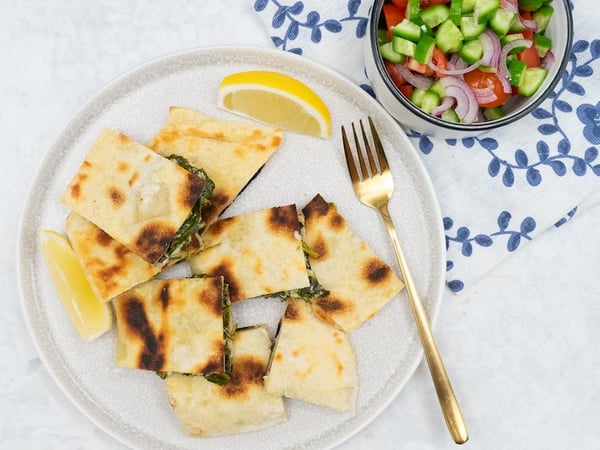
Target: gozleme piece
{"points": [[241, 405], [135, 195], [313, 359], [109, 266], [258, 253], [230, 152], [177, 325], [359, 282]]}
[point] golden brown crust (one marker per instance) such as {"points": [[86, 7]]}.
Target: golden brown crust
{"points": [[136, 196], [110, 267], [230, 152], [172, 325], [360, 283], [257, 253]]}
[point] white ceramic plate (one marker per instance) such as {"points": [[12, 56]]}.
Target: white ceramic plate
{"points": [[132, 405]]}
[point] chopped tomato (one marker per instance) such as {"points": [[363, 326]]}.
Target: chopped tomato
{"points": [[416, 66], [406, 90], [392, 70], [440, 60], [479, 79], [400, 4], [393, 16], [529, 55]]}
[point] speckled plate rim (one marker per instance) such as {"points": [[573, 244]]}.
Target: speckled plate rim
{"points": [[29, 228]]}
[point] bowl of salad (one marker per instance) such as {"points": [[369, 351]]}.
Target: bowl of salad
{"points": [[457, 68]]}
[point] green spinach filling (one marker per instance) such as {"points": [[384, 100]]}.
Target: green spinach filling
{"points": [[193, 224]]}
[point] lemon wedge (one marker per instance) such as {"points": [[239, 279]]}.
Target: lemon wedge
{"points": [[89, 315], [276, 99]]}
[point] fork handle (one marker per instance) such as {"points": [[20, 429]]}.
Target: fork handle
{"points": [[450, 408]]}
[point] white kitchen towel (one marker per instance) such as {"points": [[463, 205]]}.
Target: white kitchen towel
{"points": [[499, 191]]}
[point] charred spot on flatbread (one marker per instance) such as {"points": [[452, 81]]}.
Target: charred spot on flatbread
{"points": [[218, 202], [116, 196], [214, 364], [291, 312], [191, 191], [283, 218], [210, 298], [164, 295], [153, 240], [331, 304], [316, 208], [152, 356], [320, 247], [109, 266], [102, 238], [224, 270], [376, 271], [247, 371]]}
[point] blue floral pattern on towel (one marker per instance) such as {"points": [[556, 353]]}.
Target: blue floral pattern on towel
{"points": [[292, 19], [559, 147]]}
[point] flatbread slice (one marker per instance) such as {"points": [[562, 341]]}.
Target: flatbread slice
{"points": [[180, 325], [359, 282], [230, 152], [313, 359], [135, 195], [109, 266], [258, 253], [241, 405]]}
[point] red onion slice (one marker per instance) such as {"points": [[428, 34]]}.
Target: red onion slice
{"points": [[509, 5], [513, 6], [548, 60], [491, 48], [454, 71], [444, 106], [504, 74], [484, 95], [417, 80], [466, 103]]}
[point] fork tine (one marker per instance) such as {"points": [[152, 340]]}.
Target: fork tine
{"points": [[361, 158], [374, 169], [349, 158], [383, 163]]}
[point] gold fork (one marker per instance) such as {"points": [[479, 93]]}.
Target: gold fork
{"points": [[374, 185]]}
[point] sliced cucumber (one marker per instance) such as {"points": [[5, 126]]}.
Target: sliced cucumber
{"points": [[542, 44], [502, 21], [471, 29], [486, 9], [531, 80], [493, 113], [417, 96], [403, 46], [424, 49], [542, 17], [407, 30], [429, 101], [387, 52], [450, 115], [434, 15], [472, 51], [449, 38]]}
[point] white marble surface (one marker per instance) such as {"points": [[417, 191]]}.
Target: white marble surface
{"points": [[520, 346]]}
